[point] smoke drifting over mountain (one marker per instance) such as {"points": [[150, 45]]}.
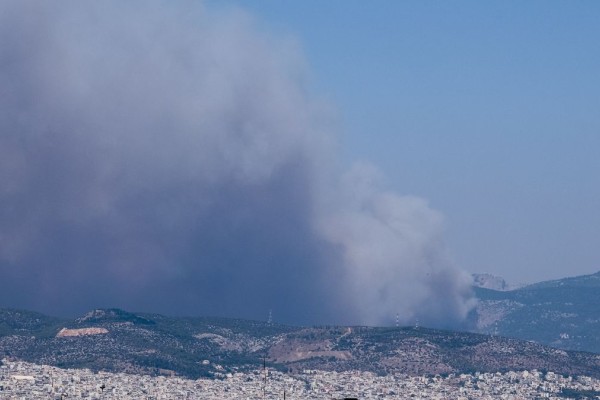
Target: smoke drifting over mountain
{"points": [[171, 158]]}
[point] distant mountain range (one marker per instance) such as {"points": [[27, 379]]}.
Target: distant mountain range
{"points": [[117, 340], [563, 313], [525, 328]]}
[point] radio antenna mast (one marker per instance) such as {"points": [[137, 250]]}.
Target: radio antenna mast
{"points": [[265, 376]]}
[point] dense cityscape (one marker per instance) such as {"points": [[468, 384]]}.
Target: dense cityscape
{"points": [[21, 380]]}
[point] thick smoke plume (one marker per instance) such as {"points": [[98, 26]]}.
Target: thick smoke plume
{"points": [[169, 158]]}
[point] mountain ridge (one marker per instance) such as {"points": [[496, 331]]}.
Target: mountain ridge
{"points": [[563, 313], [118, 340]]}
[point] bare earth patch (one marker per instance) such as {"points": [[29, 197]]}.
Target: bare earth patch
{"points": [[64, 332]]}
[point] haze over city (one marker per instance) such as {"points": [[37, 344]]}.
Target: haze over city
{"points": [[334, 162], [487, 110]]}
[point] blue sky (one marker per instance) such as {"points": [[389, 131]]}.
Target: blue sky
{"points": [[489, 110]]}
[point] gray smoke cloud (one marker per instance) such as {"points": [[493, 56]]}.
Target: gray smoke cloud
{"points": [[171, 158]]}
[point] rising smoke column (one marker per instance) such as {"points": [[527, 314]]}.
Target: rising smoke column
{"points": [[393, 254], [165, 157]]}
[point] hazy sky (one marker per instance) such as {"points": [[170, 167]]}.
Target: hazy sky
{"points": [[176, 158], [335, 162], [490, 110]]}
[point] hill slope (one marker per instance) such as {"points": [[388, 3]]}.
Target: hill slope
{"points": [[563, 313], [116, 340]]}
